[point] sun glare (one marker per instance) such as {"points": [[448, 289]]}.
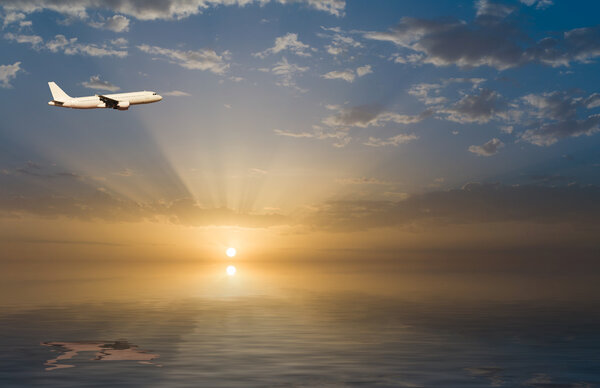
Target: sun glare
{"points": [[231, 252], [231, 270]]}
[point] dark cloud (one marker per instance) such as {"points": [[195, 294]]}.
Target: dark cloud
{"points": [[491, 39], [479, 108], [559, 115], [473, 203], [454, 42], [548, 134], [76, 197], [41, 191], [577, 45], [100, 205], [542, 118]]}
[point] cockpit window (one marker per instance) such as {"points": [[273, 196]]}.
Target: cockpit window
{"points": [[154, 94]]}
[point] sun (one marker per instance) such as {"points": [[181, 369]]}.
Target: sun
{"points": [[231, 270], [230, 252]]}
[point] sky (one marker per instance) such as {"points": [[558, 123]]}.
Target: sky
{"points": [[303, 130]]}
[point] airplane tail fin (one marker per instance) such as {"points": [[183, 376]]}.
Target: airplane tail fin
{"points": [[57, 93]]}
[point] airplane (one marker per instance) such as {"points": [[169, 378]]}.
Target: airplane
{"points": [[119, 101]]}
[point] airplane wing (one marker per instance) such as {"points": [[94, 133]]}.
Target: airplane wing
{"points": [[111, 103]]}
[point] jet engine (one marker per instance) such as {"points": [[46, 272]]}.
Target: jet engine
{"points": [[123, 105]]}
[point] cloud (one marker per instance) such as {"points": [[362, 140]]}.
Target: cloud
{"points": [[341, 137], [288, 42], [411, 58], [119, 42], [8, 73], [578, 45], [488, 41], [106, 207], [558, 115], [96, 83], [363, 70], [473, 203], [126, 172], [545, 118], [152, 10], [176, 93], [364, 116], [340, 42], [205, 59], [286, 72], [347, 75], [116, 23], [361, 181], [487, 149], [71, 47], [548, 134], [257, 172], [476, 108], [68, 46], [13, 17], [75, 196], [493, 9], [539, 4], [430, 93], [33, 40], [393, 141]]}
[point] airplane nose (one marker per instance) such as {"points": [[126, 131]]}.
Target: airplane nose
{"points": [[159, 97]]}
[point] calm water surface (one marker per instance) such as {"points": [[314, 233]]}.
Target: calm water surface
{"points": [[328, 339]]}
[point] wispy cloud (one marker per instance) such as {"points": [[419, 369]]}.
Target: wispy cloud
{"points": [[391, 141], [364, 116], [288, 42], [116, 23], [362, 181], [8, 73], [348, 75], [152, 10], [340, 137], [340, 41], [33, 40], [540, 4], [67, 46], [287, 72], [96, 83], [487, 149], [13, 17], [204, 59], [176, 93]]}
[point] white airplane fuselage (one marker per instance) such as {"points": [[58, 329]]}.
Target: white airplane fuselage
{"points": [[119, 101]]}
